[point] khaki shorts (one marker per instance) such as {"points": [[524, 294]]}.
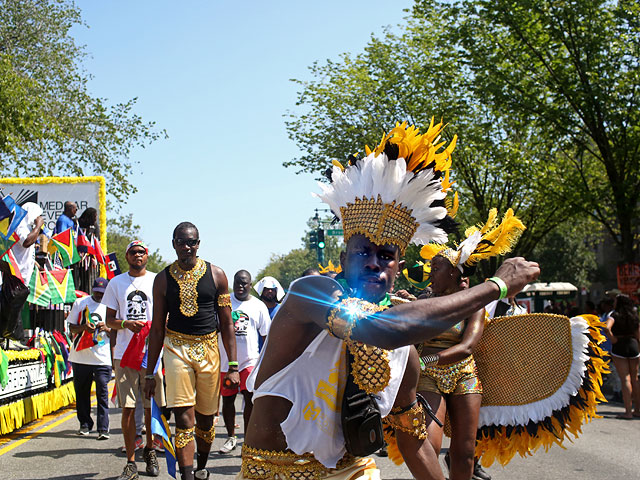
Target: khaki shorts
{"points": [[130, 384], [193, 371]]}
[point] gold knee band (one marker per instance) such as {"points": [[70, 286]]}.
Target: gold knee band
{"points": [[206, 435], [411, 421], [184, 436]]}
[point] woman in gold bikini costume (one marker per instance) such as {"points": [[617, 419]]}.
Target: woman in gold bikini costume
{"points": [[449, 379]]}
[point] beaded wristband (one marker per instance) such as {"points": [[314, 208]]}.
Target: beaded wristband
{"points": [[501, 285], [122, 324], [149, 377]]}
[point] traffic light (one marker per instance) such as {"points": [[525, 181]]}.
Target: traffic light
{"points": [[313, 239], [321, 243]]}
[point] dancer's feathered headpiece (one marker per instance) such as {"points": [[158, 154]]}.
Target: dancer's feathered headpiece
{"points": [[483, 241], [396, 193]]}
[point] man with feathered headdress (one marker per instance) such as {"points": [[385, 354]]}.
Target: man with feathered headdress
{"points": [[338, 340]]}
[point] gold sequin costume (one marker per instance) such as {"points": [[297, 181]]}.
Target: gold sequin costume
{"points": [[188, 280], [459, 378]]}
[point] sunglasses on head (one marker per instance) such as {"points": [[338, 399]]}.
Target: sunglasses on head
{"points": [[190, 242]]}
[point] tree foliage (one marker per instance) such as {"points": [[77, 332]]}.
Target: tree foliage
{"points": [[289, 266], [571, 70], [49, 123], [412, 76], [527, 120], [120, 232]]}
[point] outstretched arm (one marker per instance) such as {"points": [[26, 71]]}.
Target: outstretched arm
{"points": [[311, 301]]}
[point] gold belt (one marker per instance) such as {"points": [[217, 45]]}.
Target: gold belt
{"points": [[198, 344], [447, 376], [270, 465]]}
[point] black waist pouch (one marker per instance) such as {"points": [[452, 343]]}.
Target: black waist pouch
{"points": [[361, 419]]}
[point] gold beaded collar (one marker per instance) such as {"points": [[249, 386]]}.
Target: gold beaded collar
{"points": [[188, 280]]}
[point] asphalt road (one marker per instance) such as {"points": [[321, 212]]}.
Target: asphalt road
{"points": [[51, 449]]}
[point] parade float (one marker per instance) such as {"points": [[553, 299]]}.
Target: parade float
{"points": [[37, 381]]}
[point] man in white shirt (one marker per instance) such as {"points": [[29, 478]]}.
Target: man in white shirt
{"points": [[90, 357], [28, 231], [250, 321], [129, 302]]}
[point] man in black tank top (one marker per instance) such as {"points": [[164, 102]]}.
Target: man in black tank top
{"points": [[191, 304]]}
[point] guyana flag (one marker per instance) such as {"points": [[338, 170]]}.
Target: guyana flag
{"points": [[39, 288], [10, 258], [6, 244], [61, 286], [66, 245]]}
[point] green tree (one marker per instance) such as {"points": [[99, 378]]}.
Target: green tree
{"points": [[49, 123], [120, 232], [571, 70], [289, 266], [410, 76]]}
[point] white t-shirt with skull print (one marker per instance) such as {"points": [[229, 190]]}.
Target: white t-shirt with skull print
{"points": [[132, 299]]}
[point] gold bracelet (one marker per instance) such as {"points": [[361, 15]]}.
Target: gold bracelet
{"points": [[342, 319]]}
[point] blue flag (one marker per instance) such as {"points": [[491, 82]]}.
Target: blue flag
{"points": [[159, 426], [9, 223]]}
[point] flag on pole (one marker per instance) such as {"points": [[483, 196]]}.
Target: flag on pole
{"points": [[10, 258], [112, 266], [97, 251], [66, 245], [6, 244], [39, 289], [61, 286], [9, 223], [159, 426]]}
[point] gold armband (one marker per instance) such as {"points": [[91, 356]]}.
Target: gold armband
{"points": [[342, 318], [410, 420], [184, 436], [206, 435], [224, 300]]}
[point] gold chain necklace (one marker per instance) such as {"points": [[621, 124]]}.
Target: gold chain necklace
{"points": [[188, 280]]}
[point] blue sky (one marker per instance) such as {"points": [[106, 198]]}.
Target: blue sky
{"points": [[216, 75]]}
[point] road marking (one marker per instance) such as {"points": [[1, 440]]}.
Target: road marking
{"points": [[30, 427]]}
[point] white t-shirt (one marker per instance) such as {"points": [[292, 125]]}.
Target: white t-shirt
{"points": [[132, 299], [99, 354], [26, 257], [250, 318]]}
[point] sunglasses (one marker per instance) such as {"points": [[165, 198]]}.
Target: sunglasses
{"points": [[190, 242], [137, 252]]}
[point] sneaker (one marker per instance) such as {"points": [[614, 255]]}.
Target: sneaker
{"points": [[229, 445], [478, 472], [157, 445], [103, 436], [138, 446], [151, 459], [202, 474], [130, 472], [84, 431]]}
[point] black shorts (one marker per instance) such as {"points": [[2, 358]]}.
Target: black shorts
{"points": [[626, 347]]}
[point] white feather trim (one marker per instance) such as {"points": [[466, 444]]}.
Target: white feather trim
{"points": [[373, 176], [537, 411]]}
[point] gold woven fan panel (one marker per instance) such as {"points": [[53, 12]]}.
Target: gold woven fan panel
{"points": [[523, 358]]}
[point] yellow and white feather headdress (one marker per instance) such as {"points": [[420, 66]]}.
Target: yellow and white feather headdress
{"points": [[395, 195], [483, 241]]}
